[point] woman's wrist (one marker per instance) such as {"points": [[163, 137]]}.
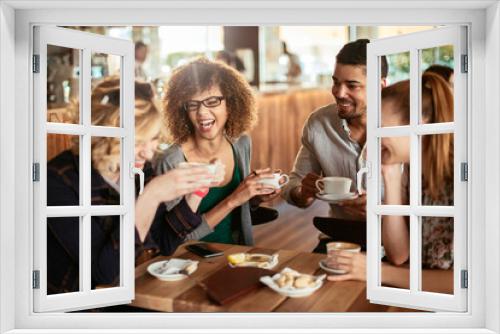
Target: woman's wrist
{"points": [[150, 193], [231, 202], [393, 199], [393, 192]]}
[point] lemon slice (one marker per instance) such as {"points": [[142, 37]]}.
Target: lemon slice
{"points": [[236, 258]]}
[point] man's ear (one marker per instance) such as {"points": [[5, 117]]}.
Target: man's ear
{"points": [[383, 82]]}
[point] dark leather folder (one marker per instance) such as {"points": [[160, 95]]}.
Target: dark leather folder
{"points": [[342, 230], [227, 284]]}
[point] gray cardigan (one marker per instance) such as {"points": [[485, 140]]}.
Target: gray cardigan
{"points": [[242, 147]]}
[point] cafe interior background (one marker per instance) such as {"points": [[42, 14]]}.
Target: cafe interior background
{"points": [[284, 101]]}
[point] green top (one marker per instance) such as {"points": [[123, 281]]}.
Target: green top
{"points": [[223, 231]]}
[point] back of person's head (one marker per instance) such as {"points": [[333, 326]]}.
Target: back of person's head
{"points": [[437, 107], [354, 53], [141, 51], [105, 103], [198, 76], [224, 56], [231, 59], [140, 45], [444, 71]]}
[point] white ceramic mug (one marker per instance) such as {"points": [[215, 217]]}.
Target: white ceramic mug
{"points": [[275, 181], [334, 185], [334, 246], [212, 168]]}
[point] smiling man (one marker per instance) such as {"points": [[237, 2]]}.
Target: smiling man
{"points": [[334, 136]]}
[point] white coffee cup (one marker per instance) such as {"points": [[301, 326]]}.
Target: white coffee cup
{"points": [[334, 185], [336, 246], [212, 168], [275, 181]]}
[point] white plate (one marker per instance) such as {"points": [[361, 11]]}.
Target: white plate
{"points": [[292, 292], [332, 198], [329, 270], [271, 262], [168, 270]]}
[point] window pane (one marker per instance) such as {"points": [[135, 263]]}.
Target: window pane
{"points": [[106, 160], [437, 254], [63, 170], [63, 255], [437, 169], [106, 70], [395, 251], [63, 84], [314, 48], [105, 250], [395, 99], [394, 170], [437, 88]]}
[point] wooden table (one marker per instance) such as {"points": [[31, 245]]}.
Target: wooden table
{"points": [[187, 296]]}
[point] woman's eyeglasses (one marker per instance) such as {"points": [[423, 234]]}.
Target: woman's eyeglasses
{"points": [[209, 102]]}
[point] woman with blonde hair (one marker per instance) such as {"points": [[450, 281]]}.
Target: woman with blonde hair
{"points": [[437, 189], [209, 108], [156, 229]]}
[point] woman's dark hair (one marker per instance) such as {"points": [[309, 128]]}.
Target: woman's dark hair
{"points": [[444, 71]]}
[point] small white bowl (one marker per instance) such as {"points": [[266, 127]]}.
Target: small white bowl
{"points": [[292, 292], [271, 262], [212, 168], [168, 270]]}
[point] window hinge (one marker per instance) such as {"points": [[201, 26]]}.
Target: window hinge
{"points": [[36, 172], [465, 64], [36, 279], [464, 171], [36, 63], [465, 279]]}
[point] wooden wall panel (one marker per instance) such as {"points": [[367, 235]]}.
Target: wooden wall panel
{"points": [[276, 137]]}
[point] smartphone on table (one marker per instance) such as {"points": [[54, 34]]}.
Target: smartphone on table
{"points": [[204, 250]]}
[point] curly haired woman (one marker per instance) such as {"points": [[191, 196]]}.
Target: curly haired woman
{"points": [[208, 108]]}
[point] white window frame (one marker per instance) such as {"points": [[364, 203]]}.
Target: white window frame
{"points": [[16, 19], [414, 296], [86, 44]]}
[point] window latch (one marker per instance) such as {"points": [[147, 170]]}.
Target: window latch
{"points": [[36, 172], [36, 279], [359, 177], [134, 170], [464, 172], [36, 63], [464, 279], [465, 65]]}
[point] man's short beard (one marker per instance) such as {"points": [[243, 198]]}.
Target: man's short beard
{"points": [[351, 115]]}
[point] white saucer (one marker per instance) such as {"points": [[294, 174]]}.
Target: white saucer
{"points": [[291, 291], [332, 198], [169, 270], [329, 270], [272, 261]]}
